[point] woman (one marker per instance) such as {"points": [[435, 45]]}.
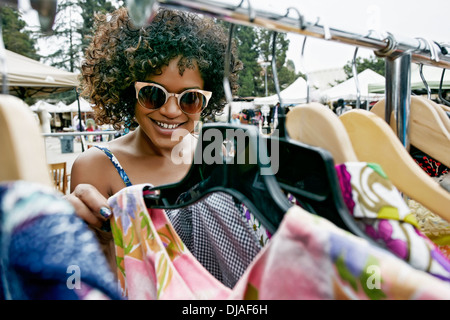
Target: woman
{"points": [[157, 81]]}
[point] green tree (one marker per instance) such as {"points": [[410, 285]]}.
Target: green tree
{"points": [[73, 24], [254, 47], [67, 51], [248, 51], [88, 9], [72, 28], [374, 63], [15, 37], [285, 68]]}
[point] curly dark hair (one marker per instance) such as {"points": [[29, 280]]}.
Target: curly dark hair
{"points": [[121, 53]]}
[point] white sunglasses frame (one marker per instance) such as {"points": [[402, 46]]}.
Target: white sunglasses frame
{"points": [[138, 85]]}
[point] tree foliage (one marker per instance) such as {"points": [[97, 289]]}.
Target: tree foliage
{"points": [[15, 37], [72, 28], [374, 63], [88, 9], [254, 47]]}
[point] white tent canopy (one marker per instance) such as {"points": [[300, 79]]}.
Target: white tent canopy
{"points": [[84, 106], [61, 107], [347, 89], [431, 74], [27, 77], [295, 93], [42, 105]]}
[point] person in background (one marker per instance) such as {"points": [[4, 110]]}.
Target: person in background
{"points": [[235, 118], [243, 116], [90, 127], [157, 81], [342, 107]]}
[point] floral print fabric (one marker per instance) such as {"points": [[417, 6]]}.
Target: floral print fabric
{"points": [[382, 213], [307, 258]]}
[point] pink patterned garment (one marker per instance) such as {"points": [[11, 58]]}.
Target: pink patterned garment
{"points": [[307, 258], [382, 213]]}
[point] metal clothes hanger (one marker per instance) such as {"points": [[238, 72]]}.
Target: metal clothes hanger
{"points": [[439, 108], [355, 76], [427, 87], [4, 68], [441, 97]]}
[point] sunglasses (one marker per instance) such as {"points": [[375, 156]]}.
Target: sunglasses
{"points": [[153, 96]]}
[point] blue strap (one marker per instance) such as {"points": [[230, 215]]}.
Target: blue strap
{"points": [[117, 165]]}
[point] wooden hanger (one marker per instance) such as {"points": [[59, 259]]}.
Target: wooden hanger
{"points": [[374, 141], [23, 150], [316, 125], [427, 132], [440, 109], [444, 107], [304, 122]]}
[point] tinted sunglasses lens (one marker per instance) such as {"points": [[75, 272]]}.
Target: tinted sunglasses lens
{"points": [[151, 97], [192, 102]]}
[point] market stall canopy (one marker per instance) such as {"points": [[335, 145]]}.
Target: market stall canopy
{"points": [[61, 107], [84, 106], [295, 93], [431, 74], [347, 89], [42, 105], [30, 78]]}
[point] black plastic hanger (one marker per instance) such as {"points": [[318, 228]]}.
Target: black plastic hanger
{"points": [[244, 171]]}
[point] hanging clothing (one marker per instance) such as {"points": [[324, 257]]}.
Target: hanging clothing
{"points": [[222, 240], [216, 232], [307, 258], [225, 246], [47, 252], [383, 215], [431, 224], [435, 169]]}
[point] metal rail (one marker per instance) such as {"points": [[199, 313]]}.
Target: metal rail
{"points": [[389, 46], [78, 133], [399, 52]]}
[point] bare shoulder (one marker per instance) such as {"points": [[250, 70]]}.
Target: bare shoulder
{"points": [[91, 167]]}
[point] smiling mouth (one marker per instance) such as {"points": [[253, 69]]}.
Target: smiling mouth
{"points": [[167, 125]]}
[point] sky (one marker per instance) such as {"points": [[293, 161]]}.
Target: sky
{"points": [[405, 19]]}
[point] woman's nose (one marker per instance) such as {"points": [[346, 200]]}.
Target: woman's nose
{"points": [[171, 109]]}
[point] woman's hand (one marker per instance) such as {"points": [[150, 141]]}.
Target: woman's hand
{"points": [[91, 206]]}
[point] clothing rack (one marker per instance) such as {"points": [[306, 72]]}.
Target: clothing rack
{"points": [[398, 51]]}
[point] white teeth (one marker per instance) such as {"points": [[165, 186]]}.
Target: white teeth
{"points": [[167, 126]]}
